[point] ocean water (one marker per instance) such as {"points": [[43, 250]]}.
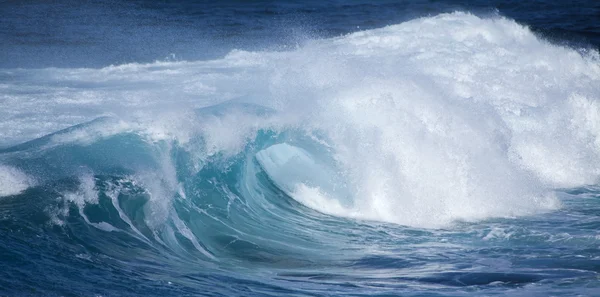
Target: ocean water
{"points": [[318, 148]]}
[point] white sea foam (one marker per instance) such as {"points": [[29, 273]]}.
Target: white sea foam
{"points": [[444, 118], [13, 181]]}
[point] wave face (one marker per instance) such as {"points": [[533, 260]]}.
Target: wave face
{"points": [[409, 158]]}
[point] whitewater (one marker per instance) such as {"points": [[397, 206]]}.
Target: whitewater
{"points": [[446, 155]]}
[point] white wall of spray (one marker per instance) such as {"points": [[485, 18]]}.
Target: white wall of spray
{"points": [[450, 117]]}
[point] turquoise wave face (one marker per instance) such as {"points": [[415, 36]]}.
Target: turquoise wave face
{"points": [[448, 155]]}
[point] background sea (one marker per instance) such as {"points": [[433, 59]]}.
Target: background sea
{"points": [[299, 148]]}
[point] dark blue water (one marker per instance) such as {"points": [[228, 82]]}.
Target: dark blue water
{"points": [[99, 33], [299, 148]]}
